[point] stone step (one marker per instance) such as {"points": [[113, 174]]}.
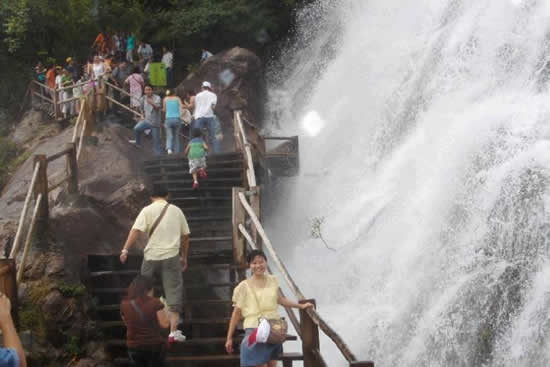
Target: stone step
{"points": [[219, 359]]}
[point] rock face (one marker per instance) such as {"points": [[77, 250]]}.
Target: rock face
{"points": [[236, 76], [112, 191]]}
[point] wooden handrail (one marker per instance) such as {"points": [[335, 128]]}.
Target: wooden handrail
{"points": [[43, 85], [247, 152], [24, 211], [29, 237]]}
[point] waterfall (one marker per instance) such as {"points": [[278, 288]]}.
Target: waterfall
{"points": [[424, 152]]}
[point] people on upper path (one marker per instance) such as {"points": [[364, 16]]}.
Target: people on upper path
{"points": [[168, 61], [100, 44], [205, 55], [40, 72], [205, 103], [144, 317], [254, 298], [130, 41], [166, 251], [145, 53], [173, 110], [151, 107], [135, 82], [12, 354], [98, 68], [196, 153]]}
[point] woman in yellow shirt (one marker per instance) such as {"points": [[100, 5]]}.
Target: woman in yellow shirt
{"points": [[255, 297]]}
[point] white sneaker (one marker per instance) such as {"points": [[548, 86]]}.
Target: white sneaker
{"points": [[176, 337], [169, 151], [132, 142]]}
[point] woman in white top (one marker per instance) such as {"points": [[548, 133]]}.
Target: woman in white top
{"points": [[98, 68]]}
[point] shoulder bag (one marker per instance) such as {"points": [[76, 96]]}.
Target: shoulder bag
{"points": [[278, 328], [154, 226]]}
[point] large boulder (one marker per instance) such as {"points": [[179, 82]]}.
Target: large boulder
{"points": [[237, 78]]}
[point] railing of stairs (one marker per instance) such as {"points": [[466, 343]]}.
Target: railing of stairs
{"points": [[41, 184], [247, 226]]}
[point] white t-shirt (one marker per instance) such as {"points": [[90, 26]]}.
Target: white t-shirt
{"points": [[203, 104], [167, 59]]}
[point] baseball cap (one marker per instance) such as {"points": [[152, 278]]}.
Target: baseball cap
{"points": [[206, 84]]}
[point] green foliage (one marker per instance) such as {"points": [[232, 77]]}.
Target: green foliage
{"points": [[30, 315], [72, 345], [71, 290], [316, 231]]}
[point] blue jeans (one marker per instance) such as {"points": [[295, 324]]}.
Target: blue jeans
{"points": [[155, 131], [210, 124], [173, 129]]}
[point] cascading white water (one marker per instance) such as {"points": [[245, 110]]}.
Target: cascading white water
{"points": [[424, 141]]}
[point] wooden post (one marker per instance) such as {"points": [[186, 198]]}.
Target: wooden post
{"points": [[42, 187], [55, 109], [8, 285], [72, 169], [310, 337], [238, 216], [361, 364], [255, 204]]}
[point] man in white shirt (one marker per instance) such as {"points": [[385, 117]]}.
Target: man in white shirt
{"points": [[145, 52], [166, 251], [205, 103], [168, 61]]}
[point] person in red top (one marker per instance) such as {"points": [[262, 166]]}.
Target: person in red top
{"points": [[144, 317]]}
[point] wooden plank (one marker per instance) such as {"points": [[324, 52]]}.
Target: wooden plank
{"points": [[42, 186], [125, 107], [82, 132], [57, 184], [310, 337], [72, 167], [20, 226], [213, 358], [42, 97], [361, 364], [57, 155], [237, 219], [29, 237], [79, 119]]}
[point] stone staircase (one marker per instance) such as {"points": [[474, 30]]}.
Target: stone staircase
{"points": [[210, 277]]}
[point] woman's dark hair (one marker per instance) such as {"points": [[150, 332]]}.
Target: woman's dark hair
{"points": [[139, 287], [196, 133], [148, 85], [252, 254], [136, 70], [159, 191]]}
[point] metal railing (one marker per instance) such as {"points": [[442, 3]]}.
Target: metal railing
{"points": [[247, 214]]}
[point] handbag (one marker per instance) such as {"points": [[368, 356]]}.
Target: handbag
{"points": [[278, 328]]}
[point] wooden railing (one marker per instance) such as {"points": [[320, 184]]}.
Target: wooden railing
{"points": [[247, 226], [50, 96], [40, 187]]}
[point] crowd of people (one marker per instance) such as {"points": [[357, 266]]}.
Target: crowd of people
{"points": [[255, 299], [116, 60]]}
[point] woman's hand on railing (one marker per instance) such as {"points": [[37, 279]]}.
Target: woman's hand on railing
{"points": [[303, 306]]}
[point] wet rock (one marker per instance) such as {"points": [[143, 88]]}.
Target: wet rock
{"points": [[236, 78]]}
